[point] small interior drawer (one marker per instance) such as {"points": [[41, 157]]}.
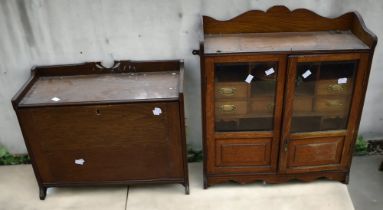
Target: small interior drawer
{"points": [[262, 105], [230, 107], [332, 104], [303, 104], [331, 87], [231, 90]]}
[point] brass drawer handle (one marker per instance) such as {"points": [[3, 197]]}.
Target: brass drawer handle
{"points": [[226, 91], [334, 103], [227, 108], [335, 88]]}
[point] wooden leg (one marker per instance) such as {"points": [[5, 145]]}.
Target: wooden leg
{"points": [[187, 190], [43, 193], [205, 184], [381, 166], [346, 179]]}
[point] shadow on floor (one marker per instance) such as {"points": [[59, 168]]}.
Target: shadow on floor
{"points": [[366, 183]]}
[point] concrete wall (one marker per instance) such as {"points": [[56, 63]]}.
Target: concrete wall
{"points": [[41, 32]]}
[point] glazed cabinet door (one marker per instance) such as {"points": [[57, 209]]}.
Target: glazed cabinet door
{"points": [[322, 106], [243, 106]]}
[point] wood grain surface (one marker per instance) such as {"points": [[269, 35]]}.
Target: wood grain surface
{"points": [[282, 41], [104, 87], [298, 36], [105, 120]]}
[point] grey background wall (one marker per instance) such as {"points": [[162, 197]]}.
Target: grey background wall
{"points": [[44, 32]]}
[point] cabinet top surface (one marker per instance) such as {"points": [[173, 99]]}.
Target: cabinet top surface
{"points": [[103, 87], [282, 41]]}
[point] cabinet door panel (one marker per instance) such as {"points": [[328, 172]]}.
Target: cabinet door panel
{"points": [[236, 95], [117, 142], [315, 152], [243, 117], [243, 152], [333, 82]]}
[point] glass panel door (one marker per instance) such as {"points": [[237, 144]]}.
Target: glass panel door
{"points": [[245, 96], [320, 106], [322, 95]]}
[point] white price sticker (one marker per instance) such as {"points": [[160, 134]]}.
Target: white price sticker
{"points": [[55, 99], [306, 74], [157, 111], [270, 71], [249, 78], [342, 80], [79, 161]]}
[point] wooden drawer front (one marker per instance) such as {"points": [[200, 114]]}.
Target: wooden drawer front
{"points": [[331, 104], [131, 162], [231, 90], [243, 152], [124, 141], [315, 152], [72, 128], [303, 104], [331, 87], [262, 105], [230, 107]]}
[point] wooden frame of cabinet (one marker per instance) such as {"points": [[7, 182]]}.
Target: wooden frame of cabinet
{"points": [[102, 129], [290, 38]]}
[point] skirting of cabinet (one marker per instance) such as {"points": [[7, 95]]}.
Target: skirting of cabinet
{"points": [[275, 178], [43, 187]]}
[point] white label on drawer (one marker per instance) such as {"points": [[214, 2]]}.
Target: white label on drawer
{"points": [[249, 78], [55, 99], [306, 74], [342, 80], [270, 71], [157, 111], [79, 161]]}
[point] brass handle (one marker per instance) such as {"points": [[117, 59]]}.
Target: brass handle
{"points": [[227, 108], [226, 91], [334, 103], [335, 88]]}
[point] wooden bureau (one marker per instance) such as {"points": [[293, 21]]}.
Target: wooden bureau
{"points": [[282, 94], [90, 125]]}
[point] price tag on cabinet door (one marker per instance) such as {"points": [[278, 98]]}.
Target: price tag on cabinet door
{"points": [[306, 74], [270, 71], [342, 80], [249, 78]]}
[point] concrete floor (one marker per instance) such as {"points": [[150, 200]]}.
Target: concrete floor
{"points": [[366, 183], [18, 190]]}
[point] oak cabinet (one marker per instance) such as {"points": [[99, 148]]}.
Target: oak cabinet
{"points": [[89, 125], [282, 99]]}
